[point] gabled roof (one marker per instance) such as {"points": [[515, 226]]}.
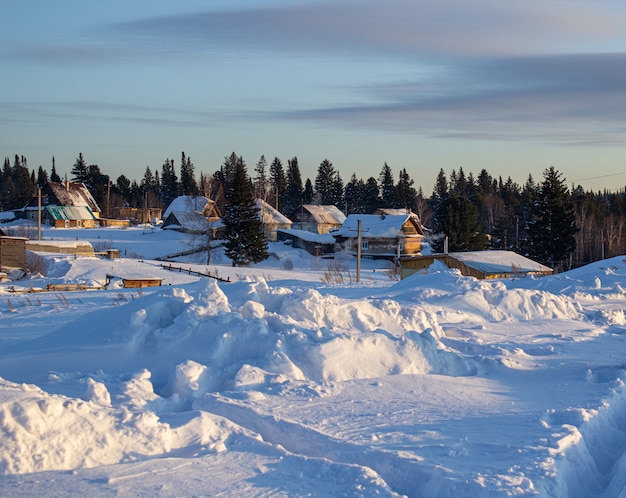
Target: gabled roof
{"points": [[188, 221], [72, 194], [70, 212], [494, 262], [325, 214], [379, 226], [188, 203], [270, 215]]}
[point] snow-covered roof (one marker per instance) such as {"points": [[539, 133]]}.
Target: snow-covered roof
{"points": [[373, 225], [72, 194], [499, 262], [186, 220], [6, 216], [188, 203], [325, 214], [317, 238], [271, 215]]}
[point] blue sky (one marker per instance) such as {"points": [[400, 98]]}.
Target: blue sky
{"points": [[513, 87]]}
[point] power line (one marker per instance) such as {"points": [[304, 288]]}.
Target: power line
{"points": [[601, 176]]}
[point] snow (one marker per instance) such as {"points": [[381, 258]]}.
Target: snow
{"points": [[186, 203], [491, 262], [279, 383], [373, 226]]}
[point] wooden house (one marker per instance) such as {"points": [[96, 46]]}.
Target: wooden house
{"points": [[272, 220], [314, 243], [68, 194], [135, 215], [192, 214], [382, 236], [12, 252], [68, 217], [317, 218], [186, 221], [479, 264], [196, 204]]}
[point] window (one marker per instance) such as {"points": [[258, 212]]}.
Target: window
{"points": [[365, 245], [67, 223], [79, 223]]}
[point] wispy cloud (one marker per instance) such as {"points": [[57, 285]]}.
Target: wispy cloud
{"points": [[557, 99], [417, 28]]}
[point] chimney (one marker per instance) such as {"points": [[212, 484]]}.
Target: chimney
{"points": [[67, 185]]}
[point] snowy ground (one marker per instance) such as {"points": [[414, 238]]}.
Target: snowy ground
{"points": [[281, 383]]}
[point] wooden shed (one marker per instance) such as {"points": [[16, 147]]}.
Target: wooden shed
{"points": [[12, 252], [479, 264]]}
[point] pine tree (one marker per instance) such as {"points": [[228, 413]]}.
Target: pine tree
{"points": [[245, 242], [553, 228]]}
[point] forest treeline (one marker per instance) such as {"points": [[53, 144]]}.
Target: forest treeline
{"points": [[543, 218]]}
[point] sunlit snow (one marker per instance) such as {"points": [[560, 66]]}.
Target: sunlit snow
{"points": [[281, 383]]}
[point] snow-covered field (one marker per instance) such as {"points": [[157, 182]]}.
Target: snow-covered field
{"points": [[279, 383]]}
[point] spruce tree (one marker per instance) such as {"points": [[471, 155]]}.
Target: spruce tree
{"points": [[371, 195], [388, 192], [552, 229], [80, 170], [325, 182], [278, 184], [294, 191], [169, 183], [406, 192], [307, 195], [457, 218], [261, 183], [188, 185], [54, 177], [354, 196], [245, 242]]}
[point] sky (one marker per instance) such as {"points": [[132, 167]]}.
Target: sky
{"points": [[513, 87]]}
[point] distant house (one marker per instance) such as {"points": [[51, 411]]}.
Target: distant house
{"points": [[271, 219], [194, 203], [314, 243], [68, 194], [317, 218], [135, 215], [186, 221], [68, 217], [382, 236], [479, 264], [192, 214]]}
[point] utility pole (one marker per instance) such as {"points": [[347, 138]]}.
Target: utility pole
{"points": [[38, 213], [358, 251]]}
